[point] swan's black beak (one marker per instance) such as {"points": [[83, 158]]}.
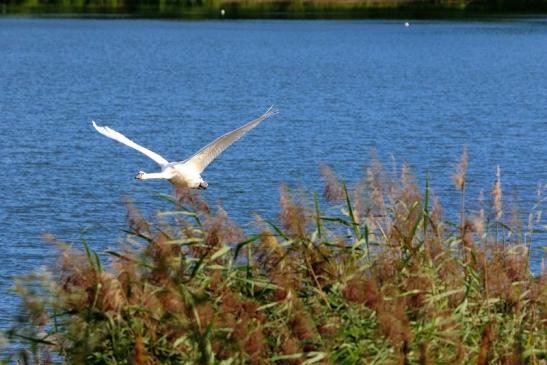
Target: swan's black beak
{"points": [[139, 175], [203, 185]]}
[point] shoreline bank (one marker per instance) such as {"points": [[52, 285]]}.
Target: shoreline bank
{"points": [[284, 9]]}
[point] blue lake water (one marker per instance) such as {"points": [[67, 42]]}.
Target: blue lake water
{"points": [[414, 94]]}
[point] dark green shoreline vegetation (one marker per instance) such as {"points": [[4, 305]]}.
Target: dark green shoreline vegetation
{"points": [[373, 274], [205, 9]]}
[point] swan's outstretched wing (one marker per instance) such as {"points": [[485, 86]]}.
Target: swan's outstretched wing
{"points": [[207, 154], [117, 136]]}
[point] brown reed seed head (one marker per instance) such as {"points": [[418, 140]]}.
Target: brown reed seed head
{"points": [[294, 215], [333, 190], [303, 326], [191, 198], [479, 222], [379, 185], [290, 347], [497, 195], [220, 229], [364, 291], [394, 324], [255, 346], [459, 177], [420, 286], [140, 355], [136, 222], [484, 348]]}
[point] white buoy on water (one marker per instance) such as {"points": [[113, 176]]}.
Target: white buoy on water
{"points": [[407, 24]]}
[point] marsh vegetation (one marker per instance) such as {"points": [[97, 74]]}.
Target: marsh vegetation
{"points": [[370, 274]]}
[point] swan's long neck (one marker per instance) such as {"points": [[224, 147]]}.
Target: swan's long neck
{"points": [[155, 175]]}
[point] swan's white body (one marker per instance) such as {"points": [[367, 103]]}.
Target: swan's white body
{"points": [[185, 173]]}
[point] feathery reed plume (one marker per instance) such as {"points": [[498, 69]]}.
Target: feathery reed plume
{"points": [[135, 220], [333, 190], [497, 195], [424, 356], [291, 347], [467, 242], [394, 324], [192, 198], [293, 216], [484, 348], [515, 223], [221, 229], [303, 327], [140, 356], [459, 181], [363, 291], [459, 177], [479, 220], [380, 186]]}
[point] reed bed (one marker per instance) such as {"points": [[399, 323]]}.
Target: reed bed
{"points": [[368, 275]]}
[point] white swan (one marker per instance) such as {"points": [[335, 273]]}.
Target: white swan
{"points": [[185, 173]]}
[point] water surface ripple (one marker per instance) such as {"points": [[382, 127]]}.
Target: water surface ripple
{"points": [[417, 93]]}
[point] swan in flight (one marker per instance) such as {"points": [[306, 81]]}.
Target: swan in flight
{"points": [[186, 173]]}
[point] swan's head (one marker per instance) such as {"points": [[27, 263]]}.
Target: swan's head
{"points": [[139, 175]]}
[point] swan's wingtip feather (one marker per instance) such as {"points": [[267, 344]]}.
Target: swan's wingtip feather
{"points": [[272, 110]]}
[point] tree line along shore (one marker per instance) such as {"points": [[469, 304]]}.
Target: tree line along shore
{"points": [[274, 8]]}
